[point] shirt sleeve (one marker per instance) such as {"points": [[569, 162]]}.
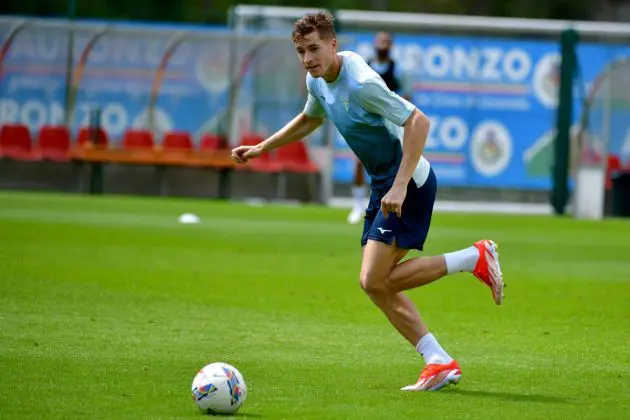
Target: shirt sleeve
{"points": [[313, 108], [376, 98]]}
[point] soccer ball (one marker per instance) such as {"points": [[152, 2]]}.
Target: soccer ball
{"points": [[219, 388]]}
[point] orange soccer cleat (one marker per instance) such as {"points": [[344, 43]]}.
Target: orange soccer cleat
{"points": [[436, 376], [488, 269]]}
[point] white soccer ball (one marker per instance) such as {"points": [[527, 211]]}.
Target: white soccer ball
{"points": [[219, 388]]}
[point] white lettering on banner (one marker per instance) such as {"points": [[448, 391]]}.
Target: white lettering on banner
{"points": [[465, 63], [454, 101], [453, 133], [9, 110], [437, 63], [56, 113], [48, 49], [490, 68], [83, 113], [489, 64], [153, 53], [22, 47], [114, 117], [125, 52], [448, 132], [517, 64], [162, 120], [35, 46], [432, 141], [114, 49], [504, 104], [33, 114], [409, 56]]}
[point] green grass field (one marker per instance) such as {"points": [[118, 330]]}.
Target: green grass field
{"points": [[108, 307]]}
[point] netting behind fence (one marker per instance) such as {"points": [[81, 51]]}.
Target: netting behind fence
{"points": [[606, 117]]}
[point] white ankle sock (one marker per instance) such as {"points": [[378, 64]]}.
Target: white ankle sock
{"points": [[431, 350], [359, 196], [463, 260]]}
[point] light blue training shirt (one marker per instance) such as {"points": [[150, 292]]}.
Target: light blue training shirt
{"points": [[368, 115]]}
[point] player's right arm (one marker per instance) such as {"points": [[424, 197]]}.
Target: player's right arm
{"points": [[299, 127]]}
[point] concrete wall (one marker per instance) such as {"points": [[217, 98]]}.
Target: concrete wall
{"points": [[153, 180]]}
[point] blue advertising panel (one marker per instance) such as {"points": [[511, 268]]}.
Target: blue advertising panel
{"points": [[492, 103]]}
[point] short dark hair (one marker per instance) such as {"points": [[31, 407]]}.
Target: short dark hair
{"points": [[322, 22]]}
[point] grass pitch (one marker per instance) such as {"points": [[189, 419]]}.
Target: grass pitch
{"points": [[108, 307]]}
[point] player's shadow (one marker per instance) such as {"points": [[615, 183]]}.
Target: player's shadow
{"points": [[509, 396], [241, 415]]}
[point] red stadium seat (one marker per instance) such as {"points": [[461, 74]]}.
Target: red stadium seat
{"points": [[212, 142], [266, 162], [54, 143], [251, 139], [96, 136], [177, 140], [294, 158], [138, 139], [614, 165], [16, 142]]}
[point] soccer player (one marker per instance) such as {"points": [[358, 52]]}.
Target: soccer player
{"points": [[387, 134], [394, 79]]}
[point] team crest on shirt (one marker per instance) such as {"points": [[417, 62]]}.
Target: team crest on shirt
{"points": [[346, 101]]}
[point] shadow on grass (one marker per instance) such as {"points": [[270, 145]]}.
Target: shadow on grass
{"points": [[510, 396]]}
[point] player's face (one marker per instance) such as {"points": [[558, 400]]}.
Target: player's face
{"points": [[316, 54]]}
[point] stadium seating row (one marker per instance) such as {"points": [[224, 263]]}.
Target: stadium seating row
{"points": [[614, 165], [54, 143]]}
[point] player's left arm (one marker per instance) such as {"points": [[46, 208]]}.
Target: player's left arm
{"points": [[378, 99], [416, 130]]}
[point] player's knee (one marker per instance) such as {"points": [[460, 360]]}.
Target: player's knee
{"points": [[389, 283], [372, 284]]}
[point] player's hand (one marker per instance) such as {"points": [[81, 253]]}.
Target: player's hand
{"points": [[393, 201], [242, 154]]}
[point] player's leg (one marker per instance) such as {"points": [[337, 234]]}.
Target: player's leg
{"points": [[378, 260], [481, 259], [358, 194]]}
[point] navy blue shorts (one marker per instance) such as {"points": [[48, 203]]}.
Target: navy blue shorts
{"points": [[411, 229]]}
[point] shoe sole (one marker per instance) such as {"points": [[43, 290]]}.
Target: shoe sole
{"points": [[498, 286], [453, 377]]}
